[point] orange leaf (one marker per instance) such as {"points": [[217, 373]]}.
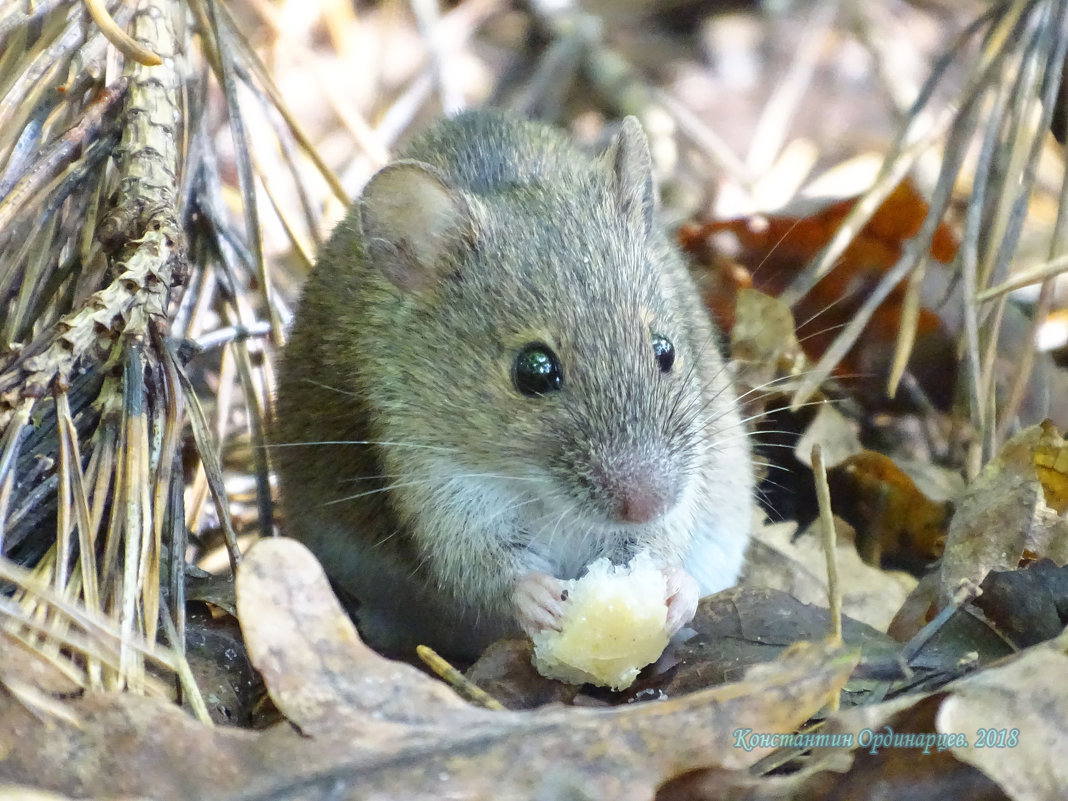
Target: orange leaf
{"points": [[767, 252]]}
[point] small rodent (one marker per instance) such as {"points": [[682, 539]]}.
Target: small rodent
{"points": [[500, 371]]}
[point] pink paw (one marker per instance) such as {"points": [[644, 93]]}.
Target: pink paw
{"points": [[538, 601], [682, 597]]}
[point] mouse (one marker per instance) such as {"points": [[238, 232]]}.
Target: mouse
{"points": [[499, 372]]}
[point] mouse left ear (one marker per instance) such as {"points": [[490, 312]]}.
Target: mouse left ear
{"points": [[632, 166], [414, 222]]}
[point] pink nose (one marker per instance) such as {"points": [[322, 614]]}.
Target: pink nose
{"points": [[643, 501]]}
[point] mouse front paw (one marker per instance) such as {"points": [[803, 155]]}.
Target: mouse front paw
{"points": [[682, 597], [538, 600]]}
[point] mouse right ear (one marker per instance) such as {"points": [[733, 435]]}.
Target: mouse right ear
{"points": [[632, 166], [412, 222]]}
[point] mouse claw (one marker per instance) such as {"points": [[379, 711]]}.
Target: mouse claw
{"points": [[682, 597], [539, 602]]}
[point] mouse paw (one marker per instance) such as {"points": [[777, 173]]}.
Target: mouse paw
{"points": [[682, 597], [538, 601]]}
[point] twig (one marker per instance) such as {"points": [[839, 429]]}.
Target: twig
{"points": [[209, 458], [964, 593], [16, 18], [464, 687], [830, 547]]}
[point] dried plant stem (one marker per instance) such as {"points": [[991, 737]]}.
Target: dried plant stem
{"points": [[91, 635], [774, 123], [35, 78], [118, 37], [903, 154], [212, 469], [12, 18], [1040, 273], [464, 687], [830, 546], [62, 153]]}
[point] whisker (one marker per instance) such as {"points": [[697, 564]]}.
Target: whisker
{"points": [[503, 476], [359, 442], [510, 508], [386, 538], [330, 388], [377, 491], [773, 466], [820, 312]]}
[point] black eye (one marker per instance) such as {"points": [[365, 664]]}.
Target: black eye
{"points": [[536, 370], [664, 352]]}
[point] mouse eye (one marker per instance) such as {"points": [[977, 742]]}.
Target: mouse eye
{"points": [[536, 370], [664, 352]]}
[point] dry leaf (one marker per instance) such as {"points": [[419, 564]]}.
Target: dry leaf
{"points": [[765, 252], [797, 565], [896, 524], [373, 728], [504, 670], [763, 343], [1014, 716], [881, 770], [1029, 605], [317, 670], [1013, 610], [997, 733], [744, 626], [1006, 516]]}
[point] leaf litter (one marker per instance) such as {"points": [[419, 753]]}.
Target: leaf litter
{"points": [[361, 726]]}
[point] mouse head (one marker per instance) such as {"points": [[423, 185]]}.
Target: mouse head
{"points": [[549, 332]]}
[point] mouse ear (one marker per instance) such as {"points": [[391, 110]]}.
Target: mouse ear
{"points": [[412, 222], [633, 167]]}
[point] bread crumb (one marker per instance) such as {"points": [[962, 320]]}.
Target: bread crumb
{"points": [[613, 625]]}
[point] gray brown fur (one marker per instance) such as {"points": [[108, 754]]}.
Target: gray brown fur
{"points": [[411, 341]]}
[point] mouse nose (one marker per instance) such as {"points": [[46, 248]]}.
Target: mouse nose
{"points": [[637, 493], [643, 502]]}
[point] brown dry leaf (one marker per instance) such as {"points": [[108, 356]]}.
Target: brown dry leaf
{"points": [[1020, 708], [1013, 610], [909, 772], [505, 671], [896, 524], [1051, 466], [1001, 730], [363, 681], [1006, 514], [743, 626], [1029, 605], [796, 565], [873, 773], [765, 252], [763, 341], [217, 659], [317, 670], [373, 728]]}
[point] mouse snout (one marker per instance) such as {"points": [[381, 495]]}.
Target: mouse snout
{"points": [[641, 503], [636, 491]]}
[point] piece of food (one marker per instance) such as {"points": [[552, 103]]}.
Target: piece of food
{"points": [[613, 625]]}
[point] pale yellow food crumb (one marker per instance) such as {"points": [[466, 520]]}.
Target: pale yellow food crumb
{"points": [[613, 625]]}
